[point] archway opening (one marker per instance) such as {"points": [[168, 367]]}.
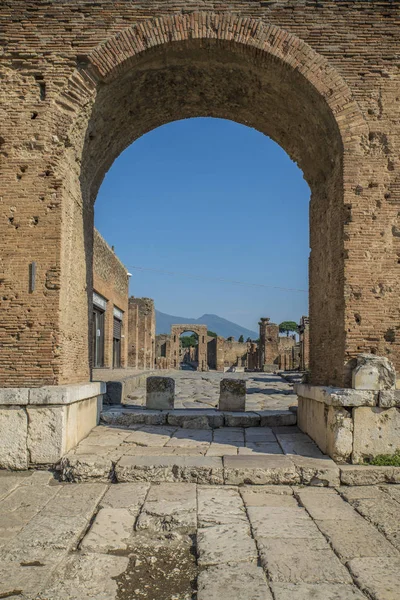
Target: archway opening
{"points": [[233, 81], [189, 351]]}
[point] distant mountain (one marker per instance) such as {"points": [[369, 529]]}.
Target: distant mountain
{"points": [[221, 326]]}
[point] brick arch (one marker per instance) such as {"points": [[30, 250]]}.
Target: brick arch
{"points": [[125, 49], [204, 64], [201, 332]]}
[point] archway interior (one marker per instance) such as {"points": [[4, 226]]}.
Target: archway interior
{"points": [[189, 350], [231, 81]]}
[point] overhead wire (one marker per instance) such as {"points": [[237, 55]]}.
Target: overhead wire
{"points": [[220, 279]]}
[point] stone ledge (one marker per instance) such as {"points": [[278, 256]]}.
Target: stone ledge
{"points": [[330, 396], [52, 394], [368, 474]]}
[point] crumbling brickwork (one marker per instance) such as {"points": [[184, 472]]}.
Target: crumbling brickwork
{"points": [[175, 351], [82, 80], [110, 280], [142, 333]]}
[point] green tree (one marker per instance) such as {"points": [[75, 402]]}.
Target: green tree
{"points": [[212, 334], [241, 339], [189, 340], [288, 326], [248, 340]]}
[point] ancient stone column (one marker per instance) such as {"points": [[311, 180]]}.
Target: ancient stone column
{"points": [[269, 345]]}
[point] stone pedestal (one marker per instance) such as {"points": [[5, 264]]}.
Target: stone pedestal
{"points": [[39, 425], [160, 393], [354, 425], [232, 395]]}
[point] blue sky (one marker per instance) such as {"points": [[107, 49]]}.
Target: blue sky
{"points": [[214, 199]]}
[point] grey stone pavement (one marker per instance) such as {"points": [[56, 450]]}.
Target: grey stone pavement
{"points": [[181, 541], [194, 389]]}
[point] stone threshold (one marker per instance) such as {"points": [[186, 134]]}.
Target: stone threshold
{"points": [[225, 470], [197, 418]]}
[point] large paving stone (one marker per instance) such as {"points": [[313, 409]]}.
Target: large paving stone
{"points": [[150, 438], [86, 577], [299, 443], [139, 416], [216, 449], [158, 469], [169, 506], [244, 582], [325, 504], [218, 506], [379, 577], [355, 538], [318, 591], [281, 522], [225, 435], [125, 495], [110, 531], [301, 561], [260, 434], [190, 437], [9, 481], [384, 513], [20, 579], [261, 469], [226, 544], [261, 448]]}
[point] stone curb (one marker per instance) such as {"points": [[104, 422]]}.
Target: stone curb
{"points": [[197, 418]]}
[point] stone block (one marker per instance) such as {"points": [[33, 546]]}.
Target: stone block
{"points": [[232, 395], [339, 433], [337, 396], [319, 472], [14, 396], [368, 475], [46, 433], [66, 394], [226, 544], [158, 469], [376, 431], [373, 373], [133, 416], [389, 398], [196, 419], [260, 470], [110, 531], [13, 436], [241, 419], [160, 393], [277, 418], [168, 507], [219, 506], [378, 576], [304, 560], [86, 467]]}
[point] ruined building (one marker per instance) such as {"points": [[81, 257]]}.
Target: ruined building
{"points": [[109, 324]]}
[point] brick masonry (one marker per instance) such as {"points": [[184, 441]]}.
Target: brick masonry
{"points": [[80, 81], [142, 333]]}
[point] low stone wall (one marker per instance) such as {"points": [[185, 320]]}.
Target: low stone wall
{"points": [[350, 425], [118, 390], [39, 425]]}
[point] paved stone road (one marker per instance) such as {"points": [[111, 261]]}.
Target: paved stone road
{"points": [[141, 541], [201, 390]]}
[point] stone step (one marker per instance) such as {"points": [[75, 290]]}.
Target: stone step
{"points": [[196, 418], [226, 470]]}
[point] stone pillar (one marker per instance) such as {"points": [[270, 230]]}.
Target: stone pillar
{"points": [[232, 395], [141, 333], [160, 393], [269, 345]]}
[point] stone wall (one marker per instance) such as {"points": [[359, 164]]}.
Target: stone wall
{"points": [[142, 333], [304, 338], [110, 280], [82, 80]]}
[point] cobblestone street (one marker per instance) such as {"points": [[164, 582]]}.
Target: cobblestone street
{"points": [[170, 541]]}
